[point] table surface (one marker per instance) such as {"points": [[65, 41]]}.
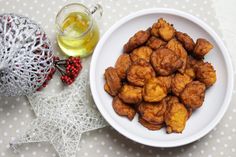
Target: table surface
{"points": [[16, 113]]}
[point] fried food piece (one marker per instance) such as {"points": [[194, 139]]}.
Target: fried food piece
{"points": [[113, 81], [107, 89], [191, 65], [201, 48], [153, 112], [122, 65], [179, 81], [192, 62], [206, 73], [139, 72], [148, 125], [171, 99], [165, 61], [176, 117], [166, 81], [190, 72], [135, 41], [186, 40], [155, 29], [163, 29], [130, 94], [155, 42], [123, 109], [143, 52], [193, 95], [179, 50], [154, 90]]}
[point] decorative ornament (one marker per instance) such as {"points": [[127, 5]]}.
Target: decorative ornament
{"points": [[48, 78], [63, 118], [26, 56]]}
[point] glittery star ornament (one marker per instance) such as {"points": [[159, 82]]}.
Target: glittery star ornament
{"points": [[63, 118]]}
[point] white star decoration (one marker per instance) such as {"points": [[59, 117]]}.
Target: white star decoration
{"points": [[62, 119]]}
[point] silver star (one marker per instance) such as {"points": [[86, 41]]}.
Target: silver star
{"points": [[62, 119]]}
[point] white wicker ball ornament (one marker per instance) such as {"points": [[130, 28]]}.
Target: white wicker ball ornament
{"points": [[26, 56]]}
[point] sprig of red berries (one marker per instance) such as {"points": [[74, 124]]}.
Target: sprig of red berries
{"points": [[69, 69]]}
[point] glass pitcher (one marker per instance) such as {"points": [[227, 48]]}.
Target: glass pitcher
{"points": [[77, 30]]}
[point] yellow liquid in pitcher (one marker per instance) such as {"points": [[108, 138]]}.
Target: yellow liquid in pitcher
{"points": [[76, 39]]}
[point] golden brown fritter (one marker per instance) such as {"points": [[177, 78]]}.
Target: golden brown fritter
{"points": [[190, 72], [179, 81], [148, 125], [122, 65], [130, 94], [143, 52], [171, 99], [107, 89], [191, 65], [138, 39], [193, 95], [155, 30], [176, 117], [179, 50], [113, 81], [165, 61], [123, 109], [163, 29], [201, 48], [206, 73], [166, 81], [153, 112], [154, 90], [155, 42], [186, 40], [139, 72], [192, 62]]}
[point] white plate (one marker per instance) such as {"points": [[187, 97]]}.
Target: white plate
{"points": [[217, 97]]}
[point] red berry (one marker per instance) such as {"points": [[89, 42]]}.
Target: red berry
{"points": [[70, 69]]}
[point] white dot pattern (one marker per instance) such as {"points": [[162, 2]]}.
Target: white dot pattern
{"points": [[16, 113]]}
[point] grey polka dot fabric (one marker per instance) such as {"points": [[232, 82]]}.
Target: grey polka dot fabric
{"points": [[16, 112]]}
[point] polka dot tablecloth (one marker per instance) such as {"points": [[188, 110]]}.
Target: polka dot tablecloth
{"points": [[16, 113]]}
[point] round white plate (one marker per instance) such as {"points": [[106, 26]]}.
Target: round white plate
{"points": [[217, 97]]}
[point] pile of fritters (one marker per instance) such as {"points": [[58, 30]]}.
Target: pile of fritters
{"points": [[161, 76]]}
